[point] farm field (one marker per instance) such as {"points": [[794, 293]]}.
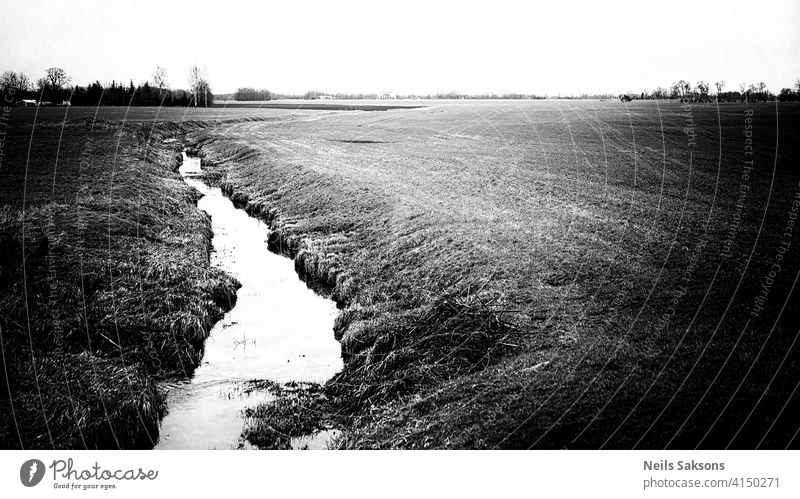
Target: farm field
{"points": [[106, 284], [24, 116], [510, 274], [224, 110]]}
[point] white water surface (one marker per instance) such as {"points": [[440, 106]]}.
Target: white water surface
{"points": [[279, 330]]}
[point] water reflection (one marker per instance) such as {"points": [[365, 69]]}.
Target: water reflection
{"points": [[279, 330]]}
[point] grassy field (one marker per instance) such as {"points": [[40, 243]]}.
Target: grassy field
{"points": [[104, 284], [324, 104], [227, 111], [546, 274], [555, 274]]}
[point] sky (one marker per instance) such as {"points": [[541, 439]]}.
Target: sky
{"points": [[409, 46]]}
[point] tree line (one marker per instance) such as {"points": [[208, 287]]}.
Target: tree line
{"points": [[680, 90], [702, 91], [252, 94], [55, 89]]}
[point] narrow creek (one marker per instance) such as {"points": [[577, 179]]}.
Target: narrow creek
{"points": [[278, 330]]}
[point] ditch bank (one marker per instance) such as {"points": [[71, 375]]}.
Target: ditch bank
{"points": [[401, 336], [106, 286], [279, 331]]}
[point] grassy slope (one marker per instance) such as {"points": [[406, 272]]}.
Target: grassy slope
{"points": [[114, 292], [503, 268]]}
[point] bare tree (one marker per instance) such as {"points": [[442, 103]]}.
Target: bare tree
{"points": [[23, 82], [195, 77], [758, 91], [703, 87], [13, 81], [681, 88], [41, 84], [8, 81], [660, 93], [720, 85], [205, 94], [56, 78], [201, 91], [160, 78]]}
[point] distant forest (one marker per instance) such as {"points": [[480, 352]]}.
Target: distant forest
{"points": [[680, 90], [702, 92], [55, 89]]}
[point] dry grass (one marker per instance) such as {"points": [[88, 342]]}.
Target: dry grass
{"points": [[503, 269], [579, 222], [295, 412], [105, 286]]}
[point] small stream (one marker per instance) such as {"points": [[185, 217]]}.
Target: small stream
{"points": [[279, 330]]}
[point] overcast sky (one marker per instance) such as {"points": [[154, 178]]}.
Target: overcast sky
{"points": [[409, 46]]}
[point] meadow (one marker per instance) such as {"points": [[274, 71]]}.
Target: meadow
{"points": [[510, 274], [106, 288]]}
